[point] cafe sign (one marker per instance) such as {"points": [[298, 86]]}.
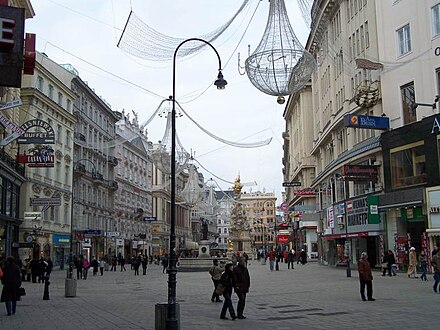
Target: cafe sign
{"points": [[37, 131]]}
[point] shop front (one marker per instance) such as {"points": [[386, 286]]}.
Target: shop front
{"points": [[353, 227], [61, 249], [433, 213]]}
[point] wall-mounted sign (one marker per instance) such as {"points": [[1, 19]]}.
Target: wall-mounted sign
{"points": [[61, 240], [40, 156], [112, 233], [305, 192], [87, 242], [11, 46], [372, 122], [150, 219], [435, 125], [292, 184], [360, 172], [92, 232], [52, 201], [32, 215], [37, 136], [120, 242], [11, 104]]}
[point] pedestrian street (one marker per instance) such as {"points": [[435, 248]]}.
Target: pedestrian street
{"points": [[309, 297]]}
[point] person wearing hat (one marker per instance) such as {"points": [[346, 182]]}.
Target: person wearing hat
{"points": [[412, 262]]}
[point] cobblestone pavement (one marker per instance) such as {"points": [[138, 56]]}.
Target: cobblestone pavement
{"points": [[309, 297]]}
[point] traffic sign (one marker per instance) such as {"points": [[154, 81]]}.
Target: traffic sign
{"points": [[292, 184], [284, 206]]}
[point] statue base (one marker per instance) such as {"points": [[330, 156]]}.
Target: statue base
{"points": [[204, 251]]}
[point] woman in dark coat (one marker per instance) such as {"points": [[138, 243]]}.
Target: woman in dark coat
{"points": [[242, 283], [11, 281], [227, 280]]}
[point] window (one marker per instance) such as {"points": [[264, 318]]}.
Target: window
{"points": [[408, 165], [408, 99], [404, 40], [40, 83], [60, 99], [367, 35], [50, 92], [435, 14], [225, 230], [68, 138], [69, 105], [59, 133]]}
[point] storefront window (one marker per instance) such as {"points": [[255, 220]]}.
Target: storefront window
{"points": [[408, 165]]}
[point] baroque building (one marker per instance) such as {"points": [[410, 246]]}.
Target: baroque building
{"points": [[365, 186]]}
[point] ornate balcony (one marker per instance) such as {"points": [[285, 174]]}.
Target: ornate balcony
{"points": [[98, 177], [113, 185], [11, 162], [79, 136]]}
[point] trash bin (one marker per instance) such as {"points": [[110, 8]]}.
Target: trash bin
{"points": [[161, 316], [70, 287]]}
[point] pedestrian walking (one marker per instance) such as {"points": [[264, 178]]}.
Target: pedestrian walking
{"points": [[28, 270], [290, 258], [122, 263], [144, 265], [271, 257], [41, 269], [11, 281], [85, 267], [137, 264], [303, 257], [164, 263], [23, 267], [436, 264], [95, 266], [242, 283], [412, 262], [216, 273], [35, 269], [114, 262], [101, 266], [423, 260], [79, 267], [246, 257], [227, 280], [365, 277]]}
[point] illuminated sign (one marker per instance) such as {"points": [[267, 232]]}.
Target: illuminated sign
{"points": [[11, 46], [372, 122]]}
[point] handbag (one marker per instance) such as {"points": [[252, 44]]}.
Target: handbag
{"points": [[21, 291], [220, 289]]}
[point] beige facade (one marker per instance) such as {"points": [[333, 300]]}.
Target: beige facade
{"points": [[45, 97]]}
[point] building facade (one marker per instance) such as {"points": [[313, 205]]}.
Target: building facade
{"points": [[46, 150]]}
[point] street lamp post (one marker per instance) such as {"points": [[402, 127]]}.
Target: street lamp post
{"points": [[172, 322]]}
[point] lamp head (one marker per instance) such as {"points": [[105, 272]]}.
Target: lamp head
{"points": [[220, 82]]}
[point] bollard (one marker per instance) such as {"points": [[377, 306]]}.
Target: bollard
{"points": [[46, 288]]}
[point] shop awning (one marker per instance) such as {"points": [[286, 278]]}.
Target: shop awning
{"points": [[398, 205]]}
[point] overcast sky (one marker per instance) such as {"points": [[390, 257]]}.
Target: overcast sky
{"points": [[85, 33]]}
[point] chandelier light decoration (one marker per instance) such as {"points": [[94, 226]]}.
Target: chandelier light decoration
{"points": [[192, 193], [280, 65]]}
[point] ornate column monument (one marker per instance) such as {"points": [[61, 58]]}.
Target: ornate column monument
{"points": [[239, 233]]}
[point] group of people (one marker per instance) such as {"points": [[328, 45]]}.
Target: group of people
{"points": [[288, 256], [230, 279]]}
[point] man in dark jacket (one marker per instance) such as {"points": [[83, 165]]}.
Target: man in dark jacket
{"points": [[11, 281], [365, 277], [242, 282]]}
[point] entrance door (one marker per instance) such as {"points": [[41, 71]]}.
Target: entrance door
{"points": [[372, 250]]}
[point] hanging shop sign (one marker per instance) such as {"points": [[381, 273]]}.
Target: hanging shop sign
{"points": [[305, 192], [40, 156], [11, 104], [11, 46], [330, 217], [292, 184], [360, 172], [32, 215], [412, 214], [34, 134], [283, 238], [372, 122], [16, 130], [61, 240]]}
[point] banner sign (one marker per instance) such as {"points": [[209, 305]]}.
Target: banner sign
{"points": [[11, 46], [360, 172], [305, 192], [37, 137], [61, 240], [41, 156], [372, 122]]}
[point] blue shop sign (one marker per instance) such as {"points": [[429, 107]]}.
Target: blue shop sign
{"points": [[92, 232], [61, 240], [372, 122]]}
